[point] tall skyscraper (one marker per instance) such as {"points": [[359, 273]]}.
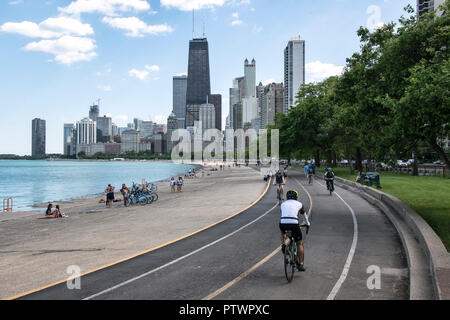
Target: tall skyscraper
{"points": [[271, 102], [216, 100], [207, 116], [172, 125], [294, 71], [68, 138], [94, 112], [250, 78], [86, 131], [198, 80], [179, 99], [424, 6], [104, 127], [37, 137], [235, 97]]}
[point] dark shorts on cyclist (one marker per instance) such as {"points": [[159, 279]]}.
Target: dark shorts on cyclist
{"points": [[294, 228]]}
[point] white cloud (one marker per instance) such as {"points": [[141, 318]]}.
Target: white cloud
{"points": [[153, 68], [15, 2], [136, 27], [236, 23], [257, 29], [67, 49], [318, 71], [188, 5], [140, 74], [104, 87], [268, 81], [235, 15], [50, 28], [143, 74], [107, 7]]}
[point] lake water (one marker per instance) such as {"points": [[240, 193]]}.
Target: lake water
{"points": [[33, 182]]}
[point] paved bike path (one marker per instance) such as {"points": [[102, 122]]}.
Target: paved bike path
{"points": [[205, 262]]}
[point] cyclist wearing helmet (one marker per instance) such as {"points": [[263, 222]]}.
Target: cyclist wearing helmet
{"points": [[329, 178], [292, 211], [280, 182]]}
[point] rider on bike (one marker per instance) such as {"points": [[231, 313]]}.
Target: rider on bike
{"points": [[329, 178], [311, 171], [280, 182], [291, 211]]}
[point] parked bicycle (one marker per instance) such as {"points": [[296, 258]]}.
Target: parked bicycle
{"points": [[142, 196]]}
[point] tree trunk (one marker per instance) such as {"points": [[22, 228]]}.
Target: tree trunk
{"points": [[350, 160], [358, 159], [317, 158]]}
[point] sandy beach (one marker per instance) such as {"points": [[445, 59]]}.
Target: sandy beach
{"points": [[36, 252]]}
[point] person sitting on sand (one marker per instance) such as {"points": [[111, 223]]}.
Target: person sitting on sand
{"points": [[125, 193], [49, 212], [58, 213]]}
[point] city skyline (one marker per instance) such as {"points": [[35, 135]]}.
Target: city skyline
{"points": [[134, 79]]}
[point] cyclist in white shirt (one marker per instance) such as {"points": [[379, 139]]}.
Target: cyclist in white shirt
{"points": [[292, 211]]}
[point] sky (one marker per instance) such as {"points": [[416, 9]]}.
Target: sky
{"points": [[59, 56]]}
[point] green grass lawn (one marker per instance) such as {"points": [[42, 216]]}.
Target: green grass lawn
{"points": [[428, 196]]}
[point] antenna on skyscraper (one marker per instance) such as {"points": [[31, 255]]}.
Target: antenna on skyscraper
{"points": [[193, 23], [204, 27]]}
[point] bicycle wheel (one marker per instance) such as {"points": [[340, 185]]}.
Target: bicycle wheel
{"points": [[155, 197], [289, 263]]}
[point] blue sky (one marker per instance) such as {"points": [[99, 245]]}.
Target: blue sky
{"points": [[58, 56]]}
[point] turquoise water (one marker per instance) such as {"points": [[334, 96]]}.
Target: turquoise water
{"points": [[32, 182]]}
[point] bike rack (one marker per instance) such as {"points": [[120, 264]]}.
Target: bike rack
{"points": [[7, 204]]}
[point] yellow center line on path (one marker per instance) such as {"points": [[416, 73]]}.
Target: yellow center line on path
{"points": [[147, 251], [260, 263]]}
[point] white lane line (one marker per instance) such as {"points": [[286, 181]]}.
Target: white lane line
{"points": [[179, 259], [346, 269]]}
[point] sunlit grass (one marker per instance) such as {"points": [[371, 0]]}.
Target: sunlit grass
{"points": [[427, 195]]}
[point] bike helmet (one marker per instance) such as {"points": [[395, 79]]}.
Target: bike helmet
{"points": [[292, 195]]}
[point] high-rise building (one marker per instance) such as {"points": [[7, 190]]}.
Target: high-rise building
{"points": [[294, 71], [137, 124], [216, 100], [271, 102], [179, 99], [424, 6], [237, 116], [94, 112], [147, 129], [198, 80], [86, 131], [104, 127], [207, 115], [37, 137], [250, 78], [68, 138], [172, 125], [236, 94]]}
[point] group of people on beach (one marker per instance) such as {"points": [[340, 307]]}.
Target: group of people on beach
{"points": [[56, 213]]}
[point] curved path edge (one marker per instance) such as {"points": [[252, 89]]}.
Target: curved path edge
{"points": [[428, 259]]}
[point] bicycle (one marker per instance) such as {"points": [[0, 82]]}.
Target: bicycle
{"points": [[310, 178], [290, 255], [280, 192], [330, 185]]}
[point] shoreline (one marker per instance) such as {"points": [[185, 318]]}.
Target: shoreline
{"points": [[35, 252], [35, 207]]}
